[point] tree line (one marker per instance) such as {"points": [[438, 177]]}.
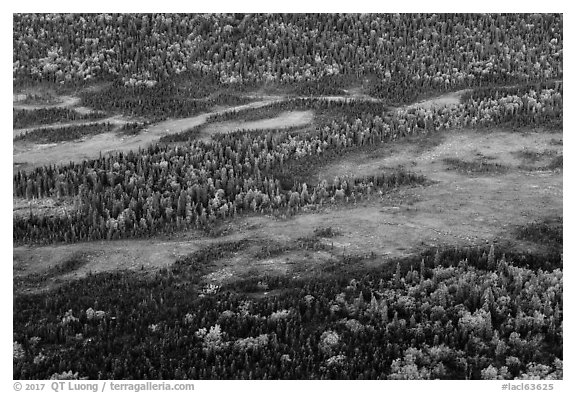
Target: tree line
{"points": [[22, 118], [61, 134], [156, 103]]}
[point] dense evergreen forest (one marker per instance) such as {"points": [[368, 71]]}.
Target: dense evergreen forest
{"points": [[453, 314], [27, 118], [449, 313], [60, 134], [407, 52]]}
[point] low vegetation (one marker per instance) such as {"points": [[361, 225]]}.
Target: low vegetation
{"points": [[548, 233], [532, 156], [556, 163], [133, 128], [481, 166], [326, 232], [38, 279]]}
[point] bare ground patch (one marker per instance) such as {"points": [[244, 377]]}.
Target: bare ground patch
{"points": [[284, 120]]}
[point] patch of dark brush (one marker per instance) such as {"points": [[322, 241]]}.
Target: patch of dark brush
{"points": [[248, 114], [532, 156], [482, 156], [239, 133], [255, 282], [214, 252], [271, 249], [70, 265], [310, 243], [37, 117], [133, 128], [424, 143], [303, 170], [63, 134], [187, 135], [557, 163], [556, 142], [191, 268], [326, 85], [555, 125], [326, 232], [547, 232], [297, 171], [481, 166], [417, 144], [347, 264]]}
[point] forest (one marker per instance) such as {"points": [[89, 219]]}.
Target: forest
{"points": [[27, 118], [480, 311], [59, 134], [407, 52], [456, 314]]}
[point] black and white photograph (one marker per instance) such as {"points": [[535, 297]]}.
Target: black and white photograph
{"points": [[287, 196]]}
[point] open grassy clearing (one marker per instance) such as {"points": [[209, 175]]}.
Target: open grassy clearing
{"points": [[427, 154]]}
